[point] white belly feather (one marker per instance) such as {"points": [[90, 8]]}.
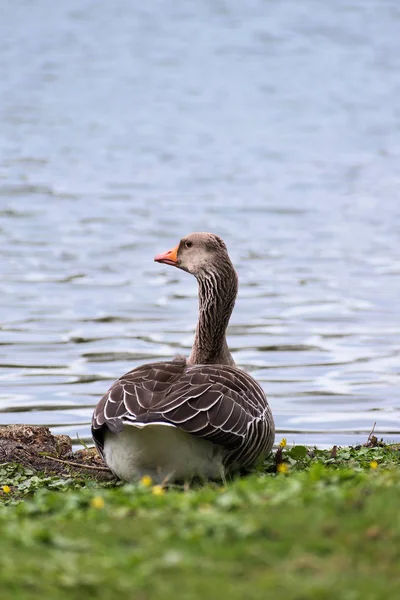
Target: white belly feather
{"points": [[163, 452]]}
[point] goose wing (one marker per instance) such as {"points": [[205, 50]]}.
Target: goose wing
{"points": [[219, 403]]}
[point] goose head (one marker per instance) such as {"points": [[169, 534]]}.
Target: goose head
{"points": [[198, 254]]}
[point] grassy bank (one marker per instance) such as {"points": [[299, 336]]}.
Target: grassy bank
{"points": [[313, 525]]}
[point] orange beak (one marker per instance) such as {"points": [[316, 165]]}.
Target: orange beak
{"points": [[168, 258]]}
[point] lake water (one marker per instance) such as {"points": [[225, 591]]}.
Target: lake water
{"points": [[124, 126]]}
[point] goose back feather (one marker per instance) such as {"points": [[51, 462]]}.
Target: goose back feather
{"points": [[218, 403]]}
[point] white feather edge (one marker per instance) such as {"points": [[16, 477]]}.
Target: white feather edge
{"points": [[140, 425]]}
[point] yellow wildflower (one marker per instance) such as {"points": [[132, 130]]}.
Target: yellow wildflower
{"points": [[282, 468], [146, 481], [6, 489], [97, 502], [283, 443], [158, 490], [373, 464]]}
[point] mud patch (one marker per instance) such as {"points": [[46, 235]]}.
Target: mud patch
{"points": [[37, 448]]}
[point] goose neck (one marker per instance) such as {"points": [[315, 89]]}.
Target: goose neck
{"points": [[217, 295]]}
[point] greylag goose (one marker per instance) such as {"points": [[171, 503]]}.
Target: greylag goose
{"points": [[199, 417]]}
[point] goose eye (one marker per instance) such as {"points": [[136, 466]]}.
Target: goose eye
{"points": [[188, 244]]}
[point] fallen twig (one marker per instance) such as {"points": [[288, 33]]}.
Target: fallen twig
{"points": [[372, 432], [78, 465], [372, 440]]}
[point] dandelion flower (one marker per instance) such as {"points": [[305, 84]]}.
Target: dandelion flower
{"points": [[158, 490], [6, 489], [283, 443], [97, 502], [373, 464], [282, 468], [146, 481]]}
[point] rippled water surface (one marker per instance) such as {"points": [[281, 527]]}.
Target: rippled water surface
{"points": [[124, 126]]}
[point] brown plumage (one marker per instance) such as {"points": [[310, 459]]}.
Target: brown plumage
{"points": [[183, 418]]}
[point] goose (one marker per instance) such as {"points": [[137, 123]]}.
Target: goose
{"points": [[201, 417]]}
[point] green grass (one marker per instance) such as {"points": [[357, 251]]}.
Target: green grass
{"points": [[328, 528]]}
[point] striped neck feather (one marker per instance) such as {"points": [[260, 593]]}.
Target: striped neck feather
{"points": [[217, 295]]}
